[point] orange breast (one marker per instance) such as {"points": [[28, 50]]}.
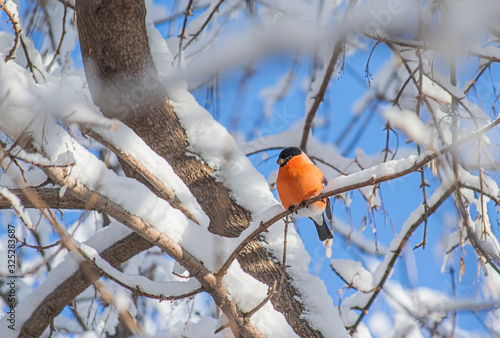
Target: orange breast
{"points": [[299, 180]]}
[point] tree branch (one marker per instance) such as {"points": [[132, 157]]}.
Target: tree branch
{"points": [[394, 255], [139, 168], [198, 32], [58, 49], [196, 268], [51, 195], [339, 46], [17, 31]]}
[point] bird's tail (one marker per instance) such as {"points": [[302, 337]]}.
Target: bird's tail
{"points": [[323, 230]]}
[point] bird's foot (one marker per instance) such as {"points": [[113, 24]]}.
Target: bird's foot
{"points": [[292, 208]]}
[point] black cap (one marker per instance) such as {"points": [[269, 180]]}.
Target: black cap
{"points": [[287, 154]]}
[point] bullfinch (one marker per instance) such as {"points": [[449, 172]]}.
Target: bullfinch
{"points": [[298, 180]]}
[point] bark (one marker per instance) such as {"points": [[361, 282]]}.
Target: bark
{"points": [[124, 84], [51, 195]]}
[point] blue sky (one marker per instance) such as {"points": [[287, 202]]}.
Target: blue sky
{"points": [[400, 196]]}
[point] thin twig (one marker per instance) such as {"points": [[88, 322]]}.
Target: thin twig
{"points": [[176, 15], [423, 183], [37, 247], [474, 239], [79, 320], [424, 98], [58, 49], [454, 315], [339, 46], [222, 327], [195, 35], [270, 293], [285, 242], [182, 36], [135, 289], [30, 64], [274, 289], [422, 45], [479, 72], [368, 74]]}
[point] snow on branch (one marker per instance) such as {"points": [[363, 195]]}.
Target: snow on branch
{"points": [[15, 203], [91, 182], [358, 239], [489, 54], [196, 268], [10, 8], [141, 285], [101, 240], [214, 7], [38, 159], [353, 274], [484, 185], [154, 168], [151, 217], [484, 249], [429, 309]]}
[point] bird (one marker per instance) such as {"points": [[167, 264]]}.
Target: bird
{"points": [[298, 180]]}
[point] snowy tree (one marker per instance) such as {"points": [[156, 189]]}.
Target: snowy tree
{"points": [[138, 182]]}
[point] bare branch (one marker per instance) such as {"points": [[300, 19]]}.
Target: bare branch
{"points": [[339, 47], [58, 49], [198, 32], [176, 15], [182, 36], [394, 255], [37, 247], [423, 45]]}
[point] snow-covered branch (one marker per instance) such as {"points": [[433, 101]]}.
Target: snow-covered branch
{"points": [[10, 8], [140, 285], [151, 167], [196, 268], [14, 202]]}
